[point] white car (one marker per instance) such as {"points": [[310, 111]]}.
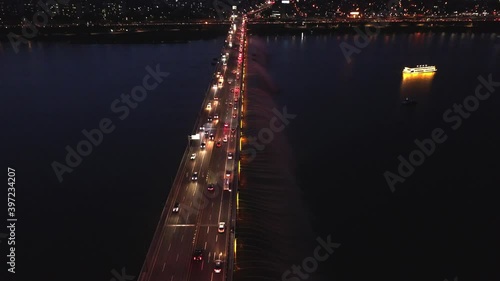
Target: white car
{"points": [[222, 227], [229, 156], [218, 266], [224, 139], [209, 106], [176, 208], [193, 156]]}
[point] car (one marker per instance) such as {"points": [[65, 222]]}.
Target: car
{"points": [[176, 208], [224, 139], [222, 227], [234, 115], [216, 98], [202, 145], [210, 187], [235, 107], [218, 144], [194, 177], [193, 156], [216, 116], [230, 155], [209, 119], [209, 106], [233, 130], [202, 129], [198, 255], [228, 174], [206, 134], [212, 137], [218, 266], [226, 125]]}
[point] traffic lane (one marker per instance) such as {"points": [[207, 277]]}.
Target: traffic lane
{"points": [[168, 215], [188, 188], [195, 199], [202, 210], [185, 188], [172, 261], [214, 203], [209, 209], [177, 188], [214, 251]]}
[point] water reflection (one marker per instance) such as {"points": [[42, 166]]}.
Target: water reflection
{"points": [[416, 84]]}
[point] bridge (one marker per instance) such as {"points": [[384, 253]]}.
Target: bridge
{"points": [[195, 237]]}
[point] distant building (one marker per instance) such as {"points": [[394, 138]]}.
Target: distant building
{"points": [[112, 9]]}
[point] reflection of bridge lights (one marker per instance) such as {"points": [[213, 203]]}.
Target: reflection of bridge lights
{"points": [[235, 239]]}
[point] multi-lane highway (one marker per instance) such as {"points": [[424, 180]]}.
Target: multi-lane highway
{"points": [[203, 192]]}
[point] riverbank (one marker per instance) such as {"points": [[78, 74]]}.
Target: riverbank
{"points": [[182, 33], [389, 27], [121, 35]]}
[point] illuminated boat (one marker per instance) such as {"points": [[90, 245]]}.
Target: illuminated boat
{"points": [[420, 69]]}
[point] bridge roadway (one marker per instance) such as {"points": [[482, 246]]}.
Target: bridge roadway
{"points": [[195, 226]]}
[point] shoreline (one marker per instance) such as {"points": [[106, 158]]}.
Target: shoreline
{"points": [[186, 33]]}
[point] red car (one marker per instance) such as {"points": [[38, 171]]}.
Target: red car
{"points": [[226, 125]]}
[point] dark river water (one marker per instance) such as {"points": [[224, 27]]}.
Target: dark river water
{"points": [[348, 133]]}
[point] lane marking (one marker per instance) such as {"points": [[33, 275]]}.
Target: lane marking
{"points": [[163, 269], [177, 258], [170, 245]]}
